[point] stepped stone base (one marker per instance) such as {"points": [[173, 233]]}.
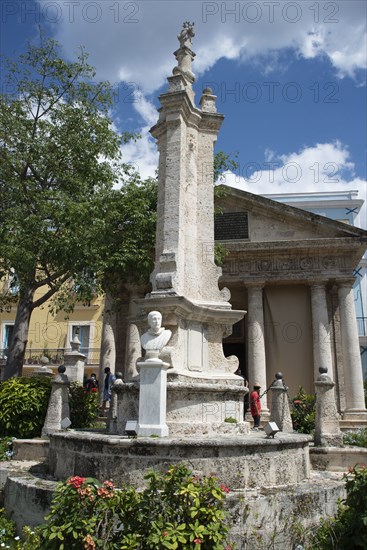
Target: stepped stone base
{"points": [[240, 462], [336, 459], [258, 515]]}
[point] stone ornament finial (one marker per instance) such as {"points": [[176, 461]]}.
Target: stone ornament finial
{"points": [[186, 35], [184, 77]]}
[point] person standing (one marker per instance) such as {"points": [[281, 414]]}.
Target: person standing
{"points": [[107, 385], [255, 406], [91, 385]]}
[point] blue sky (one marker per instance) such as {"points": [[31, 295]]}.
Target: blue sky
{"points": [[290, 78]]}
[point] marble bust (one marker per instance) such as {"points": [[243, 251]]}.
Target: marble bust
{"points": [[156, 337]]}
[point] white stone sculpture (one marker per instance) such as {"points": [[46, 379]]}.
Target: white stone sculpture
{"points": [[186, 35], [156, 337]]}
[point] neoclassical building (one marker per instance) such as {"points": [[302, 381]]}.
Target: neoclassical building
{"points": [[292, 271]]}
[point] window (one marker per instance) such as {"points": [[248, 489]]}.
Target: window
{"points": [[7, 336], [83, 332]]}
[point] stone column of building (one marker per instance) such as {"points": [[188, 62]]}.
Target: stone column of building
{"points": [[321, 328], [256, 339], [354, 391], [108, 349]]}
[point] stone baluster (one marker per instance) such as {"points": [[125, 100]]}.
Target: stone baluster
{"points": [[74, 361], [279, 411], [58, 406], [327, 430]]}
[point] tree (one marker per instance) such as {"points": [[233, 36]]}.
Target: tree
{"points": [[59, 160]]}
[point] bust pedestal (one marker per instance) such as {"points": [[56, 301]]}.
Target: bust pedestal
{"points": [[152, 396]]}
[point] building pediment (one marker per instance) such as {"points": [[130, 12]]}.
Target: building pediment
{"points": [[268, 240], [270, 221]]}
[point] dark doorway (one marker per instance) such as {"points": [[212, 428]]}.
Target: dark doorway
{"points": [[237, 349]]}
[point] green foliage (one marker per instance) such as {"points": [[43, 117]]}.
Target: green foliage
{"points": [[60, 159], [176, 510], [7, 530], [223, 162], [83, 406], [6, 448], [303, 413], [348, 530], [357, 438], [55, 127], [23, 406]]}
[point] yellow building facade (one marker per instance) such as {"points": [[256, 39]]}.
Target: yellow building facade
{"points": [[50, 334]]}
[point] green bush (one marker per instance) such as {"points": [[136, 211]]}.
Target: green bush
{"points": [[357, 438], [303, 413], [7, 530], [348, 530], [83, 406], [9, 539], [24, 402], [6, 448], [23, 406], [176, 510]]}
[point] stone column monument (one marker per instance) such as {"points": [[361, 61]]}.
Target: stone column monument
{"points": [[280, 412], [74, 361], [58, 406], [202, 386], [327, 431]]}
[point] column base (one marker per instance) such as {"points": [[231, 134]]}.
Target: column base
{"points": [[355, 415]]}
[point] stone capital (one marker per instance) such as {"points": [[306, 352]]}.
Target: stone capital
{"points": [[348, 282], [318, 283], [256, 285]]}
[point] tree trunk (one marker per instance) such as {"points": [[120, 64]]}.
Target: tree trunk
{"points": [[17, 347]]}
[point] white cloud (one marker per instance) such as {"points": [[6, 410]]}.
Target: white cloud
{"points": [[134, 41], [323, 167], [143, 153]]}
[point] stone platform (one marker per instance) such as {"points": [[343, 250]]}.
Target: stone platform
{"points": [[239, 462], [196, 405]]}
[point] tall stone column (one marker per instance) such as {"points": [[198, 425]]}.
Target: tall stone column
{"points": [[355, 404], [108, 348], [256, 339], [321, 328]]}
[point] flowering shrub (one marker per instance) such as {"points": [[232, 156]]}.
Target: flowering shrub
{"points": [[176, 510], [303, 413]]}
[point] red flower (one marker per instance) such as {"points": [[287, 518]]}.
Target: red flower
{"points": [[76, 481], [165, 534], [224, 488], [94, 390], [109, 485], [198, 541]]}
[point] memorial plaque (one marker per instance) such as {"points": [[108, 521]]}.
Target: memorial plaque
{"points": [[230, 226]]}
